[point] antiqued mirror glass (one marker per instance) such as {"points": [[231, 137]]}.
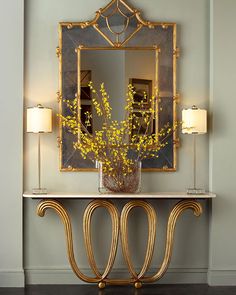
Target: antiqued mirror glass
{"points": [[118, 47]]}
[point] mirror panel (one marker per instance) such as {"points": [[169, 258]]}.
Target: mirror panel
{"points": [[117, 68]]}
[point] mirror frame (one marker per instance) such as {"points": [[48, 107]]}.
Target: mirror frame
{"points": [[116, 44]]}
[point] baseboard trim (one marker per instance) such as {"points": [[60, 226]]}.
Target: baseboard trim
{"points": [[12, 278], [222, 277], [17, 278], [66, 276]]}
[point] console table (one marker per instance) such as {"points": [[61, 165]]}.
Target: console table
{"points": [[120, 230]]}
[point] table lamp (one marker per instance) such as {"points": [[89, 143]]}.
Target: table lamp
{"points": [[39, 120], [194, 122]]}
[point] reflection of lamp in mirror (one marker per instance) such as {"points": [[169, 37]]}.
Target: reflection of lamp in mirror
{"points": [[194, 122], [39, 120]]}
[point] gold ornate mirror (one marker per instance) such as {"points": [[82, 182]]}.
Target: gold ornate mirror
{"points": [[118, 47]]}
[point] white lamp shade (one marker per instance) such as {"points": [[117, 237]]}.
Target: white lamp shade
{"points": [[39, 119], [194, 121]]}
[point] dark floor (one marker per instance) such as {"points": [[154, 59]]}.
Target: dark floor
{"points": [[146, 290]]}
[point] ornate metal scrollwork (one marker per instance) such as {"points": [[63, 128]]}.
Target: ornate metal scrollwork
{"points": [[137, 279]]}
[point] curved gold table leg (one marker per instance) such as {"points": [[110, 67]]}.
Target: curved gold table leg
{"points": [[87, 237], [152, 220], [137, 279], [51, 204], [178, 209]]}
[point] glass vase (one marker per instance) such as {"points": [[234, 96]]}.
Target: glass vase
{"points": [[119, 181]]}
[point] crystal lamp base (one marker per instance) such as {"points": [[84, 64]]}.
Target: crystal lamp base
{"points": [[196, 191], [39, 191]]}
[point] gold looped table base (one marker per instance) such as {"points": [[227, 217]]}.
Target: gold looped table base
{"points": [[120, 228]]}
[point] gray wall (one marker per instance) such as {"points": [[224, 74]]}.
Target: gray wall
{"points": [[11, 147], [44, 245], [45, 259], [222, 157]]}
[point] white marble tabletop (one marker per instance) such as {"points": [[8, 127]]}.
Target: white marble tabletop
{"points": [[142, 195]]}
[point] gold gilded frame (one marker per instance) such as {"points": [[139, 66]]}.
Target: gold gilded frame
{"points": [[118, 45]]}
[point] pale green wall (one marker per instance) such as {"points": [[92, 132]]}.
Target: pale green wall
{"points": [[11, 142], [44, 243], [44, 238], [41, 84], [222, 142]]}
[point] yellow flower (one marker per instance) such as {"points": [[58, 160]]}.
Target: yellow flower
{"points": [[113, 143]]}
